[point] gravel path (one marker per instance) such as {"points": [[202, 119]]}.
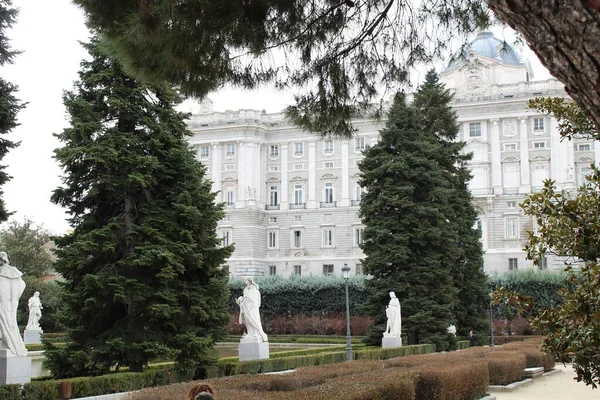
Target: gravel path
{"points": [[559, 386]]}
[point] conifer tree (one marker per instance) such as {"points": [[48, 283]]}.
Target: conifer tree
{"points": [[432, 102], [9, 104], [409, 240], [143, 263]]}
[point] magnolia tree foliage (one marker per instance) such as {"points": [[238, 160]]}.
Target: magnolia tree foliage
{"points": [[568, 225], [142, 267], [342, 55]]}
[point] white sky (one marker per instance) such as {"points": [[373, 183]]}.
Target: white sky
{"points": [[48, 33]]}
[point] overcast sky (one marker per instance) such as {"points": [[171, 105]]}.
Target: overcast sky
{"points": [[48, 33]]}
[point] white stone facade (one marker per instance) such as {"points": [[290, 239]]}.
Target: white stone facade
{"points": [[293, 199]]}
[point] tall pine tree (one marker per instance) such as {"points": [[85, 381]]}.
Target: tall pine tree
{"points": [[432, 102], [143, 263], [409, 240], [9, 104]]}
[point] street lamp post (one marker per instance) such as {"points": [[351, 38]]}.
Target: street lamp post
{"points": [[346, 275], [491, 323]]}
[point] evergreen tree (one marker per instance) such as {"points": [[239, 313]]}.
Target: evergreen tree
{"points": [[9, 104], [432, 102], [409, 240], [143, 263]]}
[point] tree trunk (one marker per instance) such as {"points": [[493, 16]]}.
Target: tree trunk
{"points": [[565, 35]]}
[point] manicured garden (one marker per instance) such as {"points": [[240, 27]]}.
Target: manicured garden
{"points": [[457, 375], [411, 372]]}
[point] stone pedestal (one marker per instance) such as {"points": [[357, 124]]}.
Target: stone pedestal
{"points": [[14, 369], [391, 341], [253, 350], [32, 336]]}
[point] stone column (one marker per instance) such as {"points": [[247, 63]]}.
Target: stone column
{"points": [[251, 167], [312, 184], [345, 199], [524, 153], [284, 177], [216, 166], [496, 161], [241, 173], [555, 154], [567, 155]]}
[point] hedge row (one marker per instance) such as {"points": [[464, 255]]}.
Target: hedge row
{"points": [[304, 295], [89, 386], [329, 339], [364, 379], [324, 295], [541, 286], [228, 367]]}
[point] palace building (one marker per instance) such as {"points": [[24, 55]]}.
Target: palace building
{"points": [[292, 198]]}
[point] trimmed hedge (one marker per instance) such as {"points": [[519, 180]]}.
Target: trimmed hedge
{"points": [[541, 286], [329, 339], [230, 366], [467, 380], [304, 295], [88, 386]]}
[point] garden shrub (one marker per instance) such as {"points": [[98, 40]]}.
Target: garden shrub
{"points": [[304, 295], [282, 383], [450, 381], [391, 384], [44, 390], [371, 353], [505, 367], [10, 392], [98, 385], [340, 369], [532, 349]]}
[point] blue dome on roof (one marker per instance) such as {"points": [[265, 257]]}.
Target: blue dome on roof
{"points": [[486, 45]]}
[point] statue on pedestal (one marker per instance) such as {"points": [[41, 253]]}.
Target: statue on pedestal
{"points": [[394, 324], [249, 312], [35, 312], [11, 289]]}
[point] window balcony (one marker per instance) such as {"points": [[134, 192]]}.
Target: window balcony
{"points": [[229, 205], [272, 207], [514, 190], [328, 204], [482, 191], [297, 206], [355, 202]]}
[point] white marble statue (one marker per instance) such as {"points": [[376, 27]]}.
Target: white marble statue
{"points": [[35, 312], [452, 330], [11, 289], [249, 312], [394, 320]]}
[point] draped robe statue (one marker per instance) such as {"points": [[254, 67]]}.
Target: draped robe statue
{"points": [[249, 312], [35, 312], [11, 289], [394, 324]]}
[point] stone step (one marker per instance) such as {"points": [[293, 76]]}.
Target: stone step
{"points": [[535, 372]]}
